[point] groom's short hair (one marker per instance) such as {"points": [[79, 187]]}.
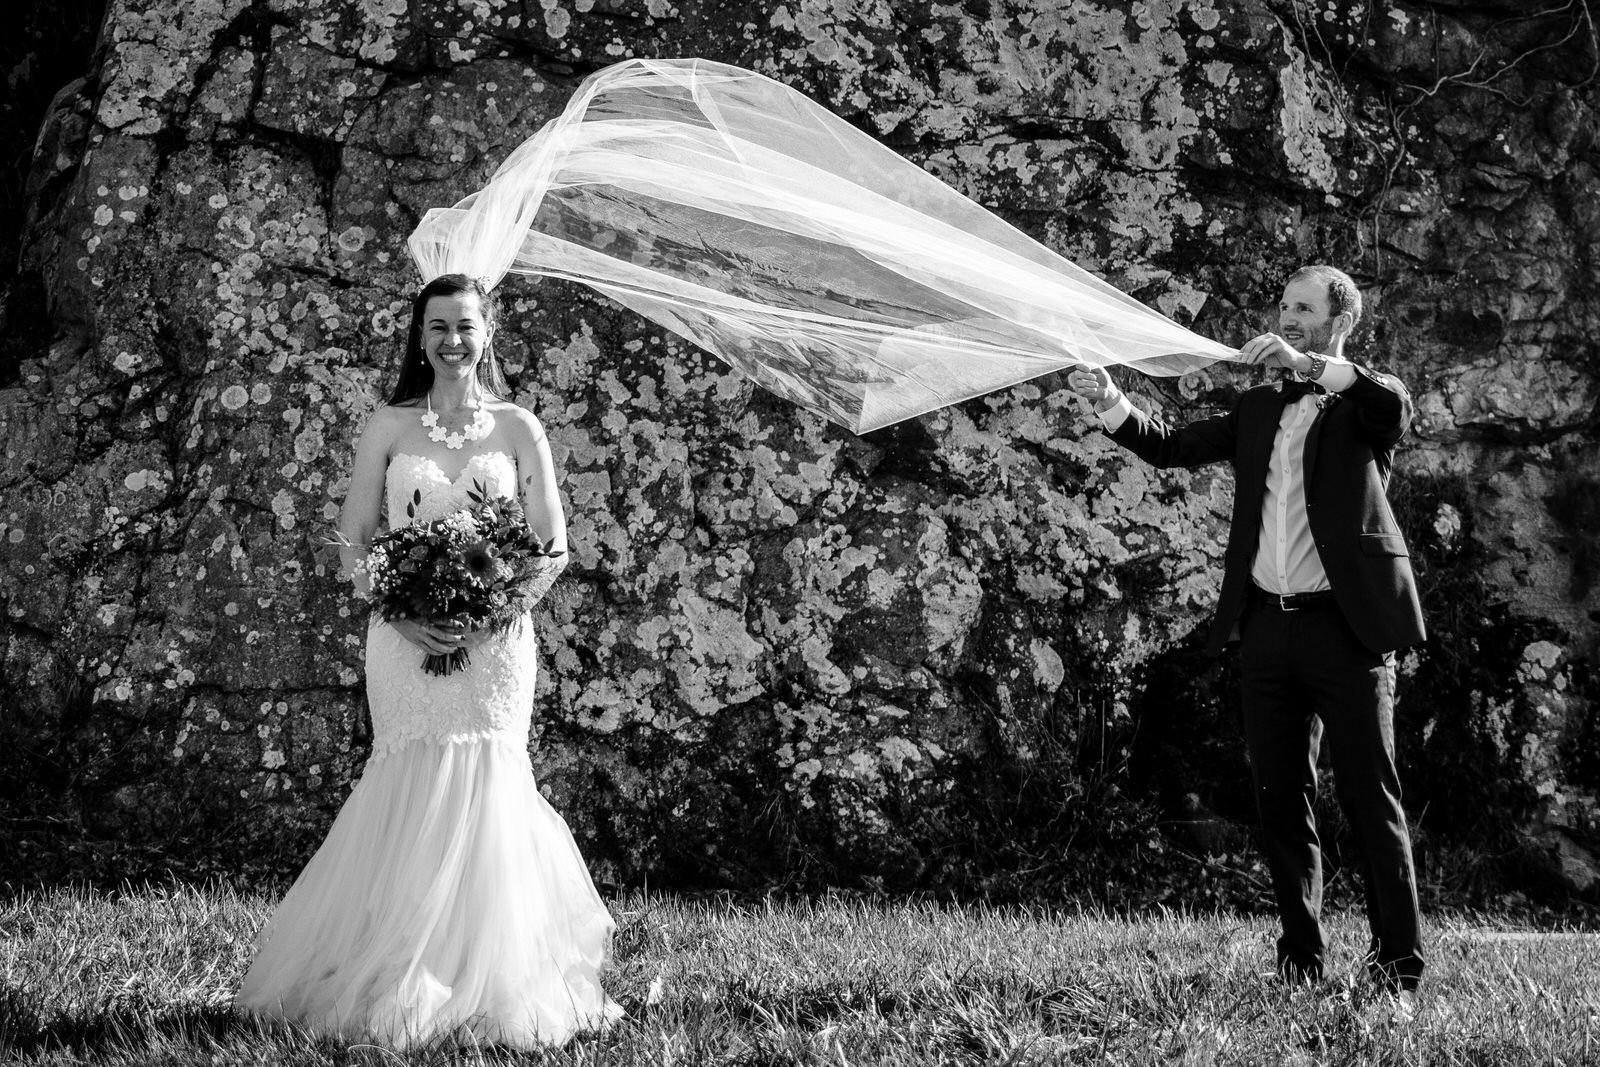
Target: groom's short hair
{"points": [[1343, 296]]}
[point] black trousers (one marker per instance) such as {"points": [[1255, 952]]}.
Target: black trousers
{"points": [[1304, 678]]}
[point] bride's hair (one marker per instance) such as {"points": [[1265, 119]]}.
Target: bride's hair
{"points": [[416, 375]]}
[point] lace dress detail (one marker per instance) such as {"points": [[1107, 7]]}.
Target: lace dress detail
{"points": [[492, 700], [449, 901]]}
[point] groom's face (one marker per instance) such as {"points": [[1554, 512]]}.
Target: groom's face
{"points": [[1304, 319]]}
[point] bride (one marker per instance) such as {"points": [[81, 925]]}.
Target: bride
{"points": [[449, 899]]}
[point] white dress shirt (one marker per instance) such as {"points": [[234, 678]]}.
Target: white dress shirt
{"points": [[1286, 553]]}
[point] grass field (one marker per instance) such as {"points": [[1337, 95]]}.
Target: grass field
{"points": [[147, 975]]}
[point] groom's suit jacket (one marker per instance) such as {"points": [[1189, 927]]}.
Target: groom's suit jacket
{"points": [[1348, 459]]}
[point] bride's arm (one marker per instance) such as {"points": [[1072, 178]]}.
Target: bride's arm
{"points": [[358, 521], [363, 500], [541, 497]]}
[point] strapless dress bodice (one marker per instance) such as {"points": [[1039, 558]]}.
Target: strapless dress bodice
{"points": [[421, 482]]}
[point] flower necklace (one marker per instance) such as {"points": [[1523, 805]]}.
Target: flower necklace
{"points": [[476, 430]]}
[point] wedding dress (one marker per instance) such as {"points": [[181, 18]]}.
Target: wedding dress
{"points": [[449, 899]]}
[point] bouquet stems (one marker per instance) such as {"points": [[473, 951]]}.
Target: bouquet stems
{"points": [[445, 663]]}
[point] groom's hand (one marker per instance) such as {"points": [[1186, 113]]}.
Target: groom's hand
{"points": [[1270, 350], [1095, 385]]}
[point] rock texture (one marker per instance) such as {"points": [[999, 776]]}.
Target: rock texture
{"points": [[944, 654]]}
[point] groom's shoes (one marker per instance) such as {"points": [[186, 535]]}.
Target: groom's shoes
{"points": [[1399, 995], [1395, 1008], [1299, 974]]}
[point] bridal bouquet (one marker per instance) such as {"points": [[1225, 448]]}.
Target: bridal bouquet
{"points": [[482, 565]]}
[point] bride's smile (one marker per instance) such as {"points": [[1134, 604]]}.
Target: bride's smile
{"points": [[454, 335]]}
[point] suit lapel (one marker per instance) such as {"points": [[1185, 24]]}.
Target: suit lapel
{"points": [[1263, 434], [1314, 435]]}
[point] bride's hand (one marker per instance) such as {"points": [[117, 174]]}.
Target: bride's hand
{"points": [[439, 638], [465, 636]]}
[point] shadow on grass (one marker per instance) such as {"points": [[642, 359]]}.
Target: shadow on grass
{"points": [[174, 1036], [25, 1032], [1074, 1004], [183, 1035]]}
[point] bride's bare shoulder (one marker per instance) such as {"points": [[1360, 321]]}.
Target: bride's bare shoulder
{"points": [[525, 423], [394, 414], [386, 423]]}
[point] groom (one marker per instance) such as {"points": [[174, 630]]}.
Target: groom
{"points": [[1318, 592]]}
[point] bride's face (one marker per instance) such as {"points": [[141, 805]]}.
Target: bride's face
{"points": [[454, 335]]}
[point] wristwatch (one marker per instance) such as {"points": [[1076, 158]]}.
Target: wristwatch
{"points": [[1318, 364]]}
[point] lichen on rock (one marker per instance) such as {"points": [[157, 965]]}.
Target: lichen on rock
{"points": [[784, 652]]}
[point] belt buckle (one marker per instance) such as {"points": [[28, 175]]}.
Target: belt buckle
{"points": [[1284, 602]]}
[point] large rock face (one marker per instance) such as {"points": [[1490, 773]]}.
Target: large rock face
{"points": [[962, 647]]}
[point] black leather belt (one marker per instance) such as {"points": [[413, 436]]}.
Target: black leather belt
{"points": [[1292, 601]]}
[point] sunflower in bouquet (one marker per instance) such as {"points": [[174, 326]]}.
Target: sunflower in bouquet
{"points": [[482, 566]]}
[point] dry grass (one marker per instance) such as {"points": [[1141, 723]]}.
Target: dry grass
{"points": [[146, 976]]}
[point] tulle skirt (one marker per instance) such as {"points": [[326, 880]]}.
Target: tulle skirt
{"points": [[449, 901]]}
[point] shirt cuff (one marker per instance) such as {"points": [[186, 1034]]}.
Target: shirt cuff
{"points": [[1338, 375], [1117, 414]]}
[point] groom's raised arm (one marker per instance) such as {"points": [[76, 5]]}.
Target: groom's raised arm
{"points": [[1210, 440]]}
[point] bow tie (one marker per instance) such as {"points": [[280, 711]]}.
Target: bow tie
{"points": [[1295, 388]]}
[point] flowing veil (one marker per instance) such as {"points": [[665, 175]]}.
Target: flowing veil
{"points": [[742, 215]]}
